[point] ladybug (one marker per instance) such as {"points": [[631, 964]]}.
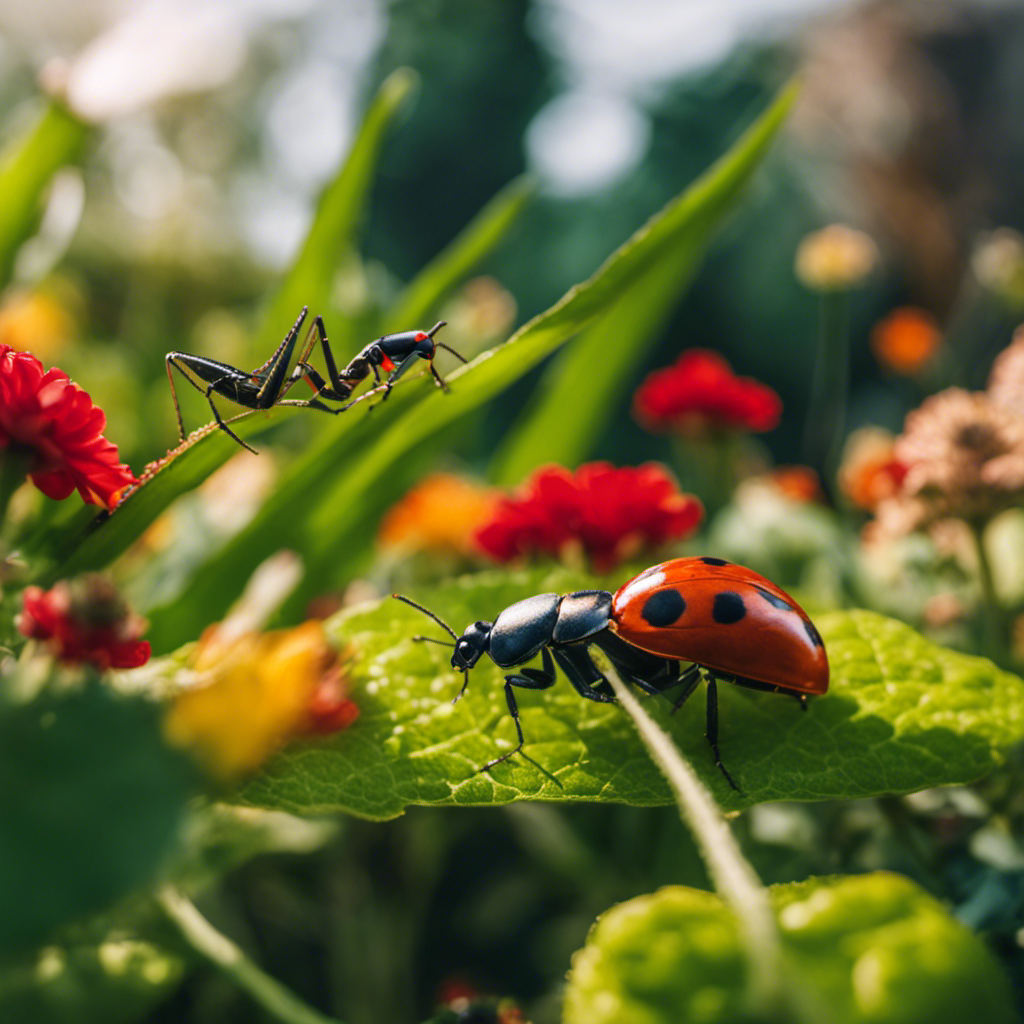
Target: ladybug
{"points": [[727, 621]]}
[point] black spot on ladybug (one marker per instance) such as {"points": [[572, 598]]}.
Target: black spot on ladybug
{"points": [[813, 633], [708, 560], [728, 607], [775, 600], [663, 608]]}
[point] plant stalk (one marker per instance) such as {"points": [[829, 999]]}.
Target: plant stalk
{"points": [[733, 877], [993, 636], [278, 1001], [826, 412]]}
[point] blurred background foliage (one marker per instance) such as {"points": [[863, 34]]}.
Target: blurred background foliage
{"points": [[183, 210]]}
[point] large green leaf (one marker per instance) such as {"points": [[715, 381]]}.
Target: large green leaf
{"points": [[591, 374], [324, 503], [26, 169], [874, 949], [902, 714], [91, 799]]}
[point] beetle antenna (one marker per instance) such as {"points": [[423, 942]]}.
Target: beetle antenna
{"points": [[433, 330], [432, 640], [430, 615], [448, 348]]}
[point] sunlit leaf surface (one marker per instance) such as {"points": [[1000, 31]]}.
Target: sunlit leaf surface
{"points": [[873, 948], [902, 714]]}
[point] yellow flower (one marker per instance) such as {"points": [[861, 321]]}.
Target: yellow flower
{"points": [[253, 693], [835, 259], [34, 321]]}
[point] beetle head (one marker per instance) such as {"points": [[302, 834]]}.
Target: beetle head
{"points": [[471, 645]]}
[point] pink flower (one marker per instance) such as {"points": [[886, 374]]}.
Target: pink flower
{"points": [[610, 513], [84, 621], [699, 392], [52, 421]]}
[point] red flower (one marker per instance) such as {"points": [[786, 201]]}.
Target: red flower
{"points": [[85, 621], [329, 708], [52, 422], [699, 392], [611, 513]]}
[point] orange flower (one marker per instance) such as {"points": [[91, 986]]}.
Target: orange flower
{"points": [[906, 339], [442, 513], [870, 471], [798, 483], [257, 691]]}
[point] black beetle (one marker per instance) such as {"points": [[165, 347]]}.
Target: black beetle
{"points": [[559, 627]]}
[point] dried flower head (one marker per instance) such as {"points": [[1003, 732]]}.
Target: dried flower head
{"points": [[870, 472], [699, 393], [610, 514], [836, 258], [52, 424], [255, 692], [85, 621], [906, 340], [1006, 379], [441, 513], [964, 459]]}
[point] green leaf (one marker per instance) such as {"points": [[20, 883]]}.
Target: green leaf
{"points": [[591, 374], [874, 949], [325, 504], [114, 982], [423, 294], [902, 714], [308, 282], [90, 802], [26, 169]]}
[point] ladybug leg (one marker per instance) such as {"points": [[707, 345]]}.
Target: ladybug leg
{"points": [[712, 731], [528, 679], [689, 680]]}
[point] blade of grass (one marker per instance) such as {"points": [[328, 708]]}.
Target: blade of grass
{"points": [[591, 374], [308, 282], [26, 168], [321, 503], [422, 295]]}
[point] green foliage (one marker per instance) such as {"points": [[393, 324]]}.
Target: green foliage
{"points": [[593, 372], [115, 981], [901, 714], [26, 170], [91, 799], [873, 949]]}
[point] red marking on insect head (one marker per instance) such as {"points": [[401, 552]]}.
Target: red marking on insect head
{"points": [[422, 336]]}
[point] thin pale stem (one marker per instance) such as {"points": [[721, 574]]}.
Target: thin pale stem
{"points": [[733, 878], [278, 1001], [992, 624], [826, 413]]}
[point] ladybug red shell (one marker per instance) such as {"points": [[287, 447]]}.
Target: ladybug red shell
{"points": [[726, 617]]}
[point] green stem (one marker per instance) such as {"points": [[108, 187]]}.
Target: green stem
{"points": [[12, 476], [209, 943], [734, 879], [992, 628], [826, 412]]}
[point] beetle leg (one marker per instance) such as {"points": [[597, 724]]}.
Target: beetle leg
{"points": [[690, 679], [583, 674], [712, 731], [528, 679]]}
